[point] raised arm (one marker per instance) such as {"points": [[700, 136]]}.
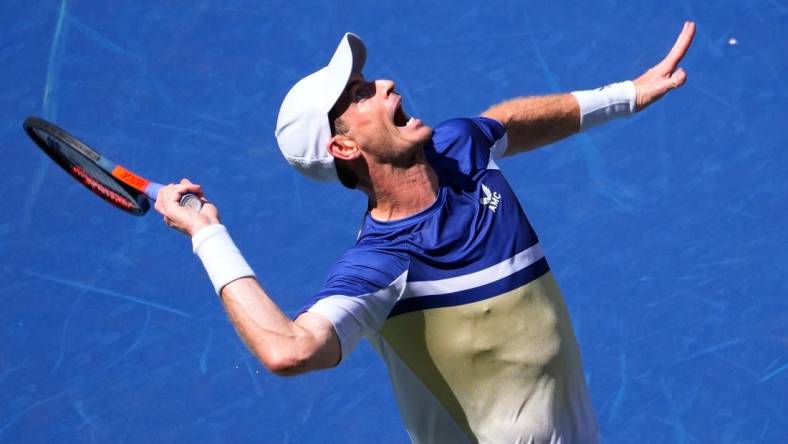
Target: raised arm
{"points": [[284, 346], [532, 122]]}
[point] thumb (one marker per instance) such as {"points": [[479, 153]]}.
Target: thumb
{"points": [[678, 78]]}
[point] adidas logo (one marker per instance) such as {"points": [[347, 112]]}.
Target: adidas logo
{"points": [[491, 199]]}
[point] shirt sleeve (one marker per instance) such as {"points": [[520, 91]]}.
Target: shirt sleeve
{"points": [[466, 145], [359, 315], [497, 133], [358, 295]]}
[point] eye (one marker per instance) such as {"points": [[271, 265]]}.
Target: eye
{"points": [[361, 93]]}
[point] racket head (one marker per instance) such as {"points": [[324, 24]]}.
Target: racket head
{"points": [[80, 161]]}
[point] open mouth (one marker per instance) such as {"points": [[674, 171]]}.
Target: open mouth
{"points": [[400, 118]]}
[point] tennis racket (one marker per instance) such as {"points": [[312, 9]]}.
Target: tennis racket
{"points": [[108, 180]]}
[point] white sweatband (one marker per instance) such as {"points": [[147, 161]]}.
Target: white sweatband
{"points": [[219, 255], [606, 103]]}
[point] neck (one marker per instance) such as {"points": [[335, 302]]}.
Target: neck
{"points": [[398, 192]]}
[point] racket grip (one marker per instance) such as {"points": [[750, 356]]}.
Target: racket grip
{"points": [[190, 200]]}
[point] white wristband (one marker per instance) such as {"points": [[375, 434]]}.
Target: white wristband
{"points": [[219, 255], [606, 103]]}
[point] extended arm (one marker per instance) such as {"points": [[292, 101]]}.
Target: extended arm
{"points": [[532, 122], [284, 346]]}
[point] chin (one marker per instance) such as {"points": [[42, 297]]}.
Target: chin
{"points": [[420, 136], [413, 154], [404, 149]]}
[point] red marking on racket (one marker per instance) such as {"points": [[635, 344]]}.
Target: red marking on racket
{"points": [[108, 180], [131, 179], [114, 197]]}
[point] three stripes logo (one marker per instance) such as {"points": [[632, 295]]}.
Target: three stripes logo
{"points": [[491, 199]]}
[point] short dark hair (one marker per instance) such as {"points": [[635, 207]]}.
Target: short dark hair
{"points": [[338, 127]]}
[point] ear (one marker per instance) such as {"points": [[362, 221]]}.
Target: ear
{"points": [[343, 147]]}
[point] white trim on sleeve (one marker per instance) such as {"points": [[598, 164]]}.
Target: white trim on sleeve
{"points": [[355, 316], [499, 149]]}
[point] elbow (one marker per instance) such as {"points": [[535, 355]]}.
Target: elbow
{"points": [[286, 364], [286, 368], [300, 352]]}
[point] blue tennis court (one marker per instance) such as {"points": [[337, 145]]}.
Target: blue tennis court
{"points": [[666, 231]]}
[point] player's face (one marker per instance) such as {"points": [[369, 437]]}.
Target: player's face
{"points": [[378, 123]]}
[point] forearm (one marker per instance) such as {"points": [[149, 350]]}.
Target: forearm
{"points": [[284, 346], [535, 121], [532, 122]]}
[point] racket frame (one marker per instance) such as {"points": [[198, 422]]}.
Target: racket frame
{"points": [[138, 188]]}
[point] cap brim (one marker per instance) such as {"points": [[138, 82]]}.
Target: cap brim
{"points": [[349, 57]]}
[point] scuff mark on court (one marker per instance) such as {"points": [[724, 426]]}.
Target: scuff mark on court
{"points": [[100, 39], [622, 389], [204, 355], [591, 153], [23, 412], [132, 347], [712, 349], [63, 334], [110, 293], [49, 110], [55, 62], [774, 373]]}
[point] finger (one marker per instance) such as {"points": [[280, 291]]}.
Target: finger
{"points": [[681, 46], [163, 192], [192, 187], [678, 78], [188, 183], [196, 190], [177, 191], [209, 210], [161, 198]]}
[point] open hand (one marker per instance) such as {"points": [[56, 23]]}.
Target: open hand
{"points": [[183, 219], [663, 77]]}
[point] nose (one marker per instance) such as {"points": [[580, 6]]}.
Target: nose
{"points": [[386, 86]]}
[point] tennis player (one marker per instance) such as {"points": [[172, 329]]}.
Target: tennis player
{"points": [[447, 279]]}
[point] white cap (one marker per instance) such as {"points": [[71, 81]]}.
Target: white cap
{"points": [[302, 128]]}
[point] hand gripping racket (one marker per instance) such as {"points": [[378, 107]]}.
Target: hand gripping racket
{"points": [[106, 179]]}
